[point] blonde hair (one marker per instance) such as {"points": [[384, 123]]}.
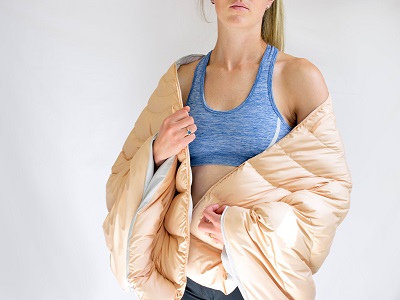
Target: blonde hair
{"points": [[272, 28]]}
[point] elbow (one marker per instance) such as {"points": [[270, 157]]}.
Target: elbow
{"points": [[111, 192]]}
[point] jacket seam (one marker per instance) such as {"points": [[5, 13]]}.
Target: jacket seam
{"points": [[302, 166], [329, 147]]}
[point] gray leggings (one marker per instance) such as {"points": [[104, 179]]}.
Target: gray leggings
{"points": [[195, 291]]}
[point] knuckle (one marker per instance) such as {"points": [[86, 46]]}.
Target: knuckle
{"points": [[165, 123], [168, 130]]}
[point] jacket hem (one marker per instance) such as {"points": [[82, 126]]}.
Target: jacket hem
{"points": [[230, 263], [152, 183]]}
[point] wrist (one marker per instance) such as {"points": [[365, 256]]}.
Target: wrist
{"points": [[157, 160], [157, 164]]}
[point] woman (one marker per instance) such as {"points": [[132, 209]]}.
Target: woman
{"points": [[238, 101]]}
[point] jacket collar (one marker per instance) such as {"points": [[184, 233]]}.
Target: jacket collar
{"points": [[187, 59]]}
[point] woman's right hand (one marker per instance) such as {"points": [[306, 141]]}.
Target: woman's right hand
{"points": [[172, 136]]}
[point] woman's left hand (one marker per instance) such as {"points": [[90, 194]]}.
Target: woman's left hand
{"points": [[211, 222]]}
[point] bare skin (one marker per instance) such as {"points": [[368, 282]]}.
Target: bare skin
{"points": [[298, 87]]}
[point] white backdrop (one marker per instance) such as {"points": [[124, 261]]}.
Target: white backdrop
{"points": [[74, 76]]}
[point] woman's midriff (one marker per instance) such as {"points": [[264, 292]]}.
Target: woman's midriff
{"points": [[206, 176]]}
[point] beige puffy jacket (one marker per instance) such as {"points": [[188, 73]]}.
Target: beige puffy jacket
{"points": [[283, 208]]}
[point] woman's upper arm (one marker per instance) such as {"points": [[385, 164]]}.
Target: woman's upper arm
{"points": [[308, 87]]}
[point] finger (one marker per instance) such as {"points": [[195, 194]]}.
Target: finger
{"points": [[211, 215], [184, 122], [207, 227], [213, 206], [218, 241], [188, 139], [208, 213], [191, 128], [206, 220], [179, 114], [217, 238], [216, 206], [220, 210]]}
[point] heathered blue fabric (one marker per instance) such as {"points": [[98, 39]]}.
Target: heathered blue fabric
{"points": [[231, 137]]}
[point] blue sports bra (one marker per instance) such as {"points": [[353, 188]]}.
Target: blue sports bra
{"points": [[231, 137]]}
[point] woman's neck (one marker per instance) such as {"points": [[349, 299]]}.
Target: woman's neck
{"points": [[236, 47]]}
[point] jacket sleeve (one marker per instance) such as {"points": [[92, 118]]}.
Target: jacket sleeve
{"points": [[142, 135], [162, 103], [129, 188], [289, 239], [284, 243]]}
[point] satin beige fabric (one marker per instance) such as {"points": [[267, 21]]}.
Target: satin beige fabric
{"points": [[284, 207]]}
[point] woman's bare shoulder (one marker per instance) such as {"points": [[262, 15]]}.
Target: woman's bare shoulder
{"points": [[305, 83], [185, 77]]}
